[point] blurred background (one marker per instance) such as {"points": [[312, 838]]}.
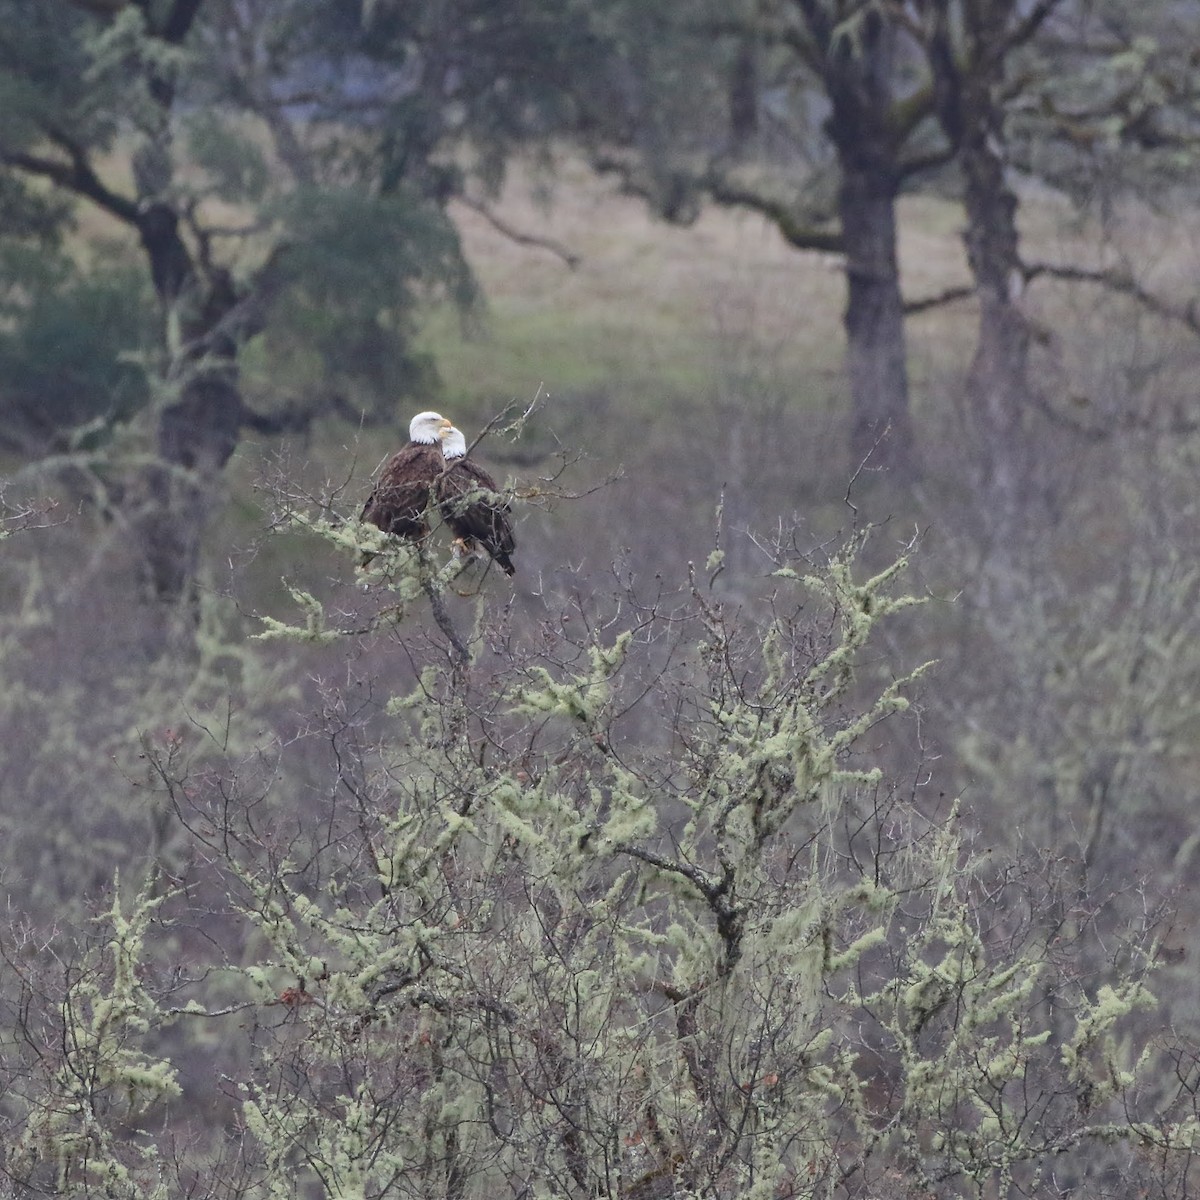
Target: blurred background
{"points": [[768, 268]]}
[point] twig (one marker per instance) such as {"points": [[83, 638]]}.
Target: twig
{"points": [[862, 467], [192, 1011], [494, 423]]}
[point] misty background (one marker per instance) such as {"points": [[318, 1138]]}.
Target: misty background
{"points": [[760, 274]]}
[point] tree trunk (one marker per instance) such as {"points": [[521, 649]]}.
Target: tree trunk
{"points": [[999, 387], [198, 428], [998, 383], [197, 434], [857, 76], [205, 319], [201, 419], [874, 321], [743, 98]]}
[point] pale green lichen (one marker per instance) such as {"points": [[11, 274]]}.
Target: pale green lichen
{"points": [[314, 628], [526, 925]]}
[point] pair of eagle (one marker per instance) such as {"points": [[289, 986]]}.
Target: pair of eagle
{"points": [[434, 469]]}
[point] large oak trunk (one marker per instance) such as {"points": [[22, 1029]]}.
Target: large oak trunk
{"points": [[998, 383], [196, 436], [200, 421], [858, 82], [999, 386], [875, 347]]}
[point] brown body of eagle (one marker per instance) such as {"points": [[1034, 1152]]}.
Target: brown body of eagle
{"points": [[398, 502], [471, 504]]}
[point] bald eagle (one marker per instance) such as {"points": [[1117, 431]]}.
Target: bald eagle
{"points": [[472, 505], [398, 502]]}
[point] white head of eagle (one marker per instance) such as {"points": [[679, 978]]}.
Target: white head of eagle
{"points": [[426, 428], [454, 443]]}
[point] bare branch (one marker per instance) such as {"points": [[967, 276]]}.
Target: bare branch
{"points": [[516, 235], [797, 227], [76, 176], [1123, 283], [951, 295]]}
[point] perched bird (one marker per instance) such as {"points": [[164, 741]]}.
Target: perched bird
{"points": [[398, 502], [472, 505]]}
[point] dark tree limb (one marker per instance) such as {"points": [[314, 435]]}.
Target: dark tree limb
{"points": [[950, 296], [1027, 28], [1123, 283], [520, 236], [180, 19], [292, 418], [77, 177], [796, 230]]}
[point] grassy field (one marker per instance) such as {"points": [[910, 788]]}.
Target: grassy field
{"points": [[658, 309]]}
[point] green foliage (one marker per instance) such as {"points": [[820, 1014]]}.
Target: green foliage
{"points": [[98, 769], [581, 821], [235, 165], [357, 266], [348, 248], [497, 78], [127, 55], [318, 220], [44, 74], [68, 357], [32, 222], [1117, 666], [1120, 115]]}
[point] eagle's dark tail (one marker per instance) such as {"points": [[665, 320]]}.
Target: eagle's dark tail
{"points": [[506, 563]]}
